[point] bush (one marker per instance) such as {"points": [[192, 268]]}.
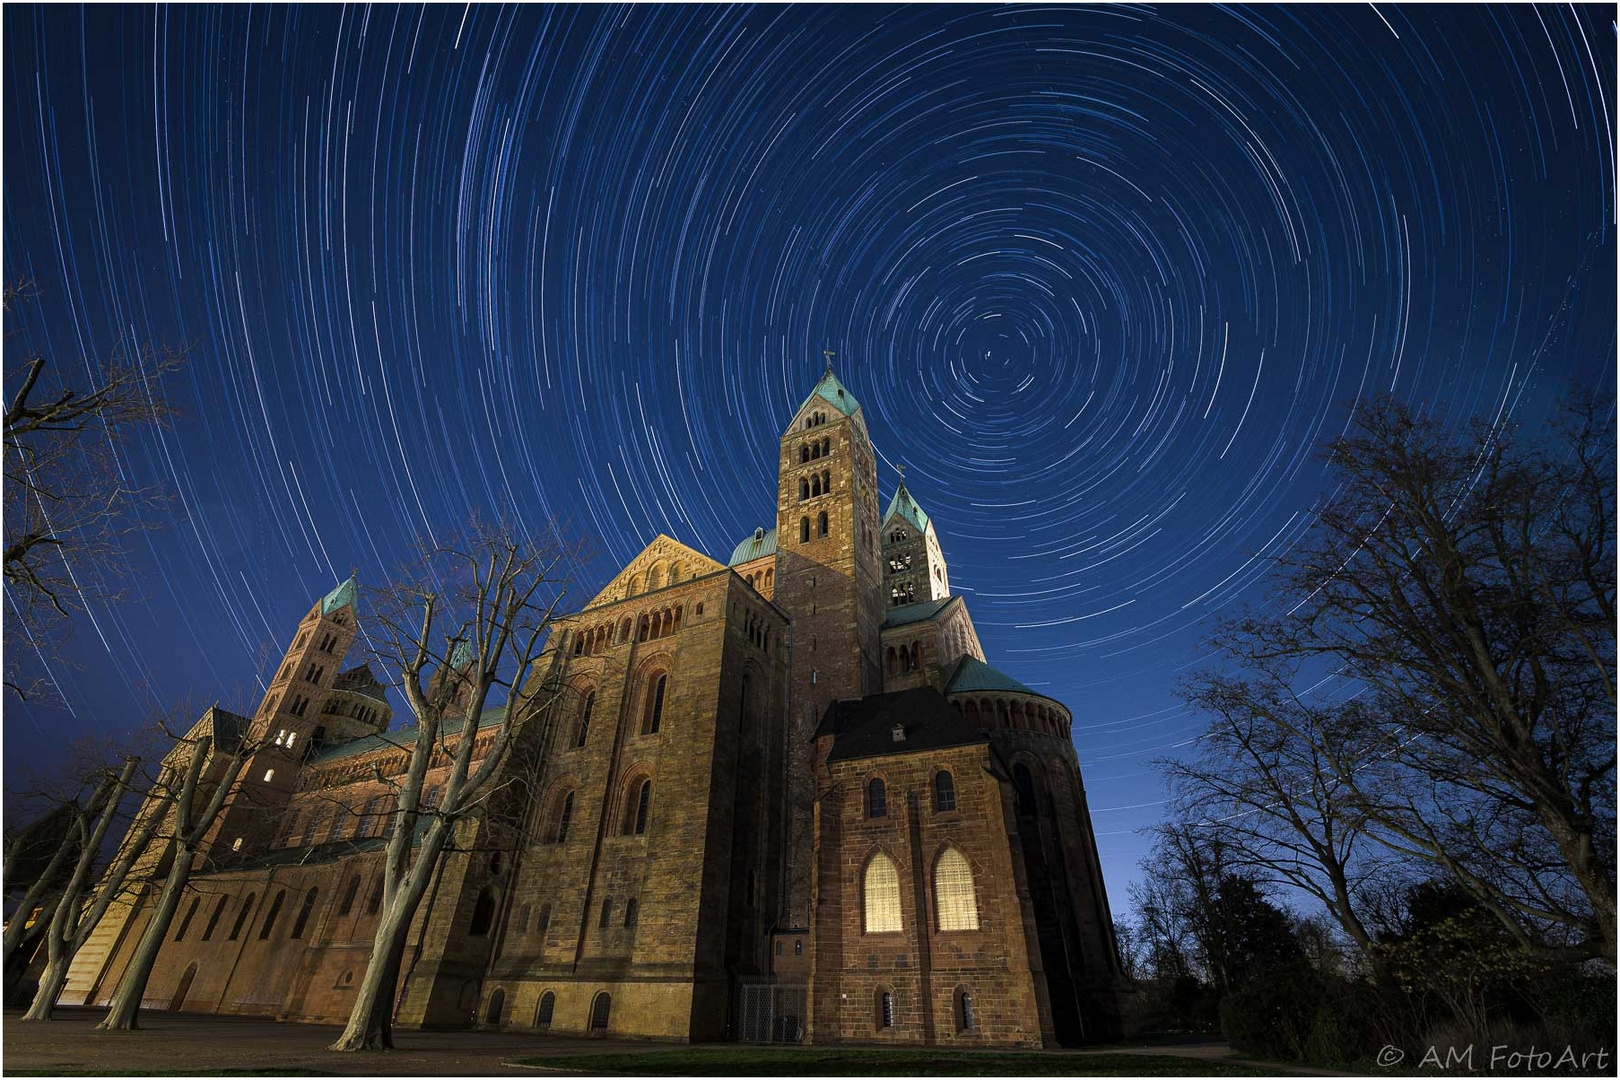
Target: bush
{"points": [[1276, 1015]]}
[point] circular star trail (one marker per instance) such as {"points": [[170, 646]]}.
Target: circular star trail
{"points": [[1103, 278]]}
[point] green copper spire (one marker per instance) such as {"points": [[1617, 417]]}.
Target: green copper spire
{"points": [[830, 390], [904, 505], [340, 597]]}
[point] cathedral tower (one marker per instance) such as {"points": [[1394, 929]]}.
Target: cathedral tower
{"points": [[913, 565], [829, 579]]}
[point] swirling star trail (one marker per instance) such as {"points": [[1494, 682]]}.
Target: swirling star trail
{"points": [[1102, 277]]}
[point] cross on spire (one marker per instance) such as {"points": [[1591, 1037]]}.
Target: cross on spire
{"points": [[829, 354], [901, 469]]}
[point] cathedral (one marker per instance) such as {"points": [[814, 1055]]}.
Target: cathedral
{"points": [[781, 798]]}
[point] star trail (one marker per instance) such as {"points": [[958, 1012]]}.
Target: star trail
{"points": [[1103, 279]]}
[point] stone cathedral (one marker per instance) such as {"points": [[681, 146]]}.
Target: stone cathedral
{"points": [[780, 798]]}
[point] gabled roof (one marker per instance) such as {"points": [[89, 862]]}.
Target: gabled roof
{"points": [[864, 727], [340, 597], [400, 738], [834, 393], [914, 613], [904, 505], [228, 728], [756, 546], [974, 674], [360, 680]]}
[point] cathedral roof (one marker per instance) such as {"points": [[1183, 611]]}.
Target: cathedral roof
{"points": [[974, 674], [342, 596], [400, 738], [227, 728], [360, 680], [830, 390], [915, 613], [760, 543], [904, 505], [865, 727]]}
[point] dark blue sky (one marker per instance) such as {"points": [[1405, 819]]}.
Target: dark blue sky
{"points": [[1102, 278]]}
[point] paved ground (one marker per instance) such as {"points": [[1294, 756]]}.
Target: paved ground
{"points": [[175, 1043]]}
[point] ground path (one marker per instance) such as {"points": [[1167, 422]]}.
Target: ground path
{"points": [[186, 1043]]}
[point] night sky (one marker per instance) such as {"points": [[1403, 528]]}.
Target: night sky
{"points": [[1103, 279]]}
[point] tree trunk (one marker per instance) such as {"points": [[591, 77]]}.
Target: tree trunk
{"points": [[126, 1002], [371, 1021], [51, 982], [36, 893]]}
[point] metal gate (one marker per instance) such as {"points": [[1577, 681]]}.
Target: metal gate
{"points": [[771, 1012]]}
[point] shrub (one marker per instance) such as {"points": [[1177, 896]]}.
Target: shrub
{"points": [[1275, 1015]]}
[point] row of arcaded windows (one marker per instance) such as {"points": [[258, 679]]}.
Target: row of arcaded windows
{"points": [[905, 658], [760, 580], [877, 797], [955, 902], [815, 485], [266, 928], [804, 527], [601, 1005], [813, 450], [376, 818], [815, 419], [1015, 713], [650, 627], [655, 691]]}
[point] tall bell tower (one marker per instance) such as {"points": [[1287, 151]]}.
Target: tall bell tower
{"points": [[829, 579]]}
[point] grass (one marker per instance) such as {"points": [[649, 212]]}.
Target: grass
{"points": [[810, 1061]]}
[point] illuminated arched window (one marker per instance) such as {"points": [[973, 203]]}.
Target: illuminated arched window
{"points": [[953, 892], [881, 889]]}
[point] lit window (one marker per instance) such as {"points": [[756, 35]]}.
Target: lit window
{"points": [[953, 892], [236, 845], [269, 775], [291, 738], [882, 896]]}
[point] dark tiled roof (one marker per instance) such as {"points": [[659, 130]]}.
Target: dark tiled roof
{"points": [[914, 613], [401, 738], [864, 727], [974, 674], [760, 543], [360, 680], [229, 728]]}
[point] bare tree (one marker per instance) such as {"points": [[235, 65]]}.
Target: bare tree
{"points": [[470, 622], [197, 777], [1463, 587], [69, 502], [76, 915], [1274, 788]]}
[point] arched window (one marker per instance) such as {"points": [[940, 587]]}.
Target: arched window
{"points": [[882, 892], [599, 1011], [944, 791], [585, 718], [241, 916], [885, 1008], [821, 523], [655, 706], [826, 482], [631, 910], [635, 822], [877, 803], [804, 489], [483, 914], [1024, 787], [953, 892], [213, 920], [304, 912], [607, 914], [270, 919], [544, 922], [497, 1002], [348, 896], [559, 825], [804, 530], [964, 1011], [374, 902], [185, 923], [548, 1005]]}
